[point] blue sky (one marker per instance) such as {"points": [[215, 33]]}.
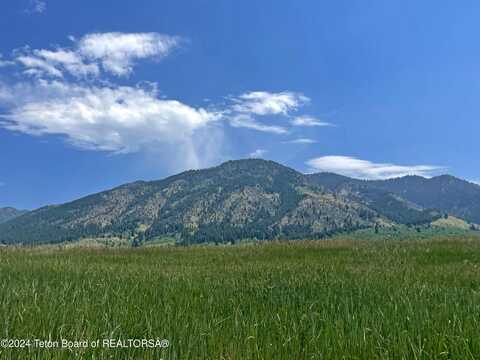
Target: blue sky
{"points": [[95, 94]]}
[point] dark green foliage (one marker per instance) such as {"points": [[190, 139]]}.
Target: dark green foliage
{"points": [[396, 209]]}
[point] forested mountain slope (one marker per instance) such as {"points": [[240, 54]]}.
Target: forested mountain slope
{"points": [[241, 199]]}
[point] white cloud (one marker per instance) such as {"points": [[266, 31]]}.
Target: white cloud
{"points": [[4, 63], [117, 51], [69, 60], [476, 182], [36, 66], [266, 103], [302, 141], [258, 153], [37, 6], [118, 119], [364, 169], [246, 106], [246, 121], [68, 94], [306, 120]]}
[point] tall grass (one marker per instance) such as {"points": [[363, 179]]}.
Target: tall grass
{"points": [[299, 300]]}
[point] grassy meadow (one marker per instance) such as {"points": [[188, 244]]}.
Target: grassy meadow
{"points": [[331, 299]]}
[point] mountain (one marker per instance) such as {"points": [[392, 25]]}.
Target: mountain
{"points": [[388, 203], [239, 199], [444, 193], [9, 213]]}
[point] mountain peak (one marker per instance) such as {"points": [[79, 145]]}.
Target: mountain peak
{"points": [[253, 162]]}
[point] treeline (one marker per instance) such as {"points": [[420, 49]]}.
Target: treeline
{"points": [[223, 233]]}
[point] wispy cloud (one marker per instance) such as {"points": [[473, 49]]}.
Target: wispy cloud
{"points": [[38, 67], [364, 169], [68, 60], [267, 103], [115, 53], [36, 7], [301, 141], [4, 63], [118, 51], [306, 120], [246, 121], [248, 108], [257, 153]]}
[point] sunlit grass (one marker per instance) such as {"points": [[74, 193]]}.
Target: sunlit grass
{"points": [[297, 300]]}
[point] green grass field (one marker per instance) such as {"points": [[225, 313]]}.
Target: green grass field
{"points": [[332, 299]]}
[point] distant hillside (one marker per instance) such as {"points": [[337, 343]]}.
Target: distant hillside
{"points": [[239, 199], [446, 193], [389, 204], [9, 213]]}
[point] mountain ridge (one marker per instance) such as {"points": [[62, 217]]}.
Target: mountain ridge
{"points": [[250, 198], [9, 213]]}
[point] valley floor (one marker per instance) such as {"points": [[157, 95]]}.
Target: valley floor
{"points": [[330, 299]]}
